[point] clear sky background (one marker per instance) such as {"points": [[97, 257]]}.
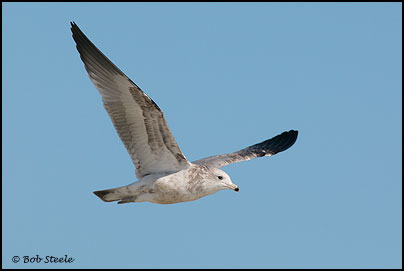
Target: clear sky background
{"points": [[226, 75]]}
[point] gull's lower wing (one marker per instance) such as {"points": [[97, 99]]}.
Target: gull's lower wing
{"points": [[138, 120], [268, 147]]}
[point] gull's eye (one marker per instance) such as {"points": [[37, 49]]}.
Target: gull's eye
{"points": [[220, 177]]}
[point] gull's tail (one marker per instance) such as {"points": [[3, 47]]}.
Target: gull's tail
{"points": [[114, 194]]}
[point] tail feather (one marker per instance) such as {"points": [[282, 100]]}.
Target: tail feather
{"points": [[112, 194]]}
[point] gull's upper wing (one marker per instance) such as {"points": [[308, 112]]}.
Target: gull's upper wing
{"points": [[138, 120], [267, 148]]}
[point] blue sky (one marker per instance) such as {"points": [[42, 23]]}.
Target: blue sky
{"points": [[226, 75]]}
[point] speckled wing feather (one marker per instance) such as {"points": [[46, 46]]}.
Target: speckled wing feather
{"points": [[138, 120], [269, 147]]}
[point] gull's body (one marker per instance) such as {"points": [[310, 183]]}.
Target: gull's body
{"points": [[184, 185], [165, 175]]}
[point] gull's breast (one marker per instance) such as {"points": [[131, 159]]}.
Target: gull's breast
{"points": [[173, 188]]}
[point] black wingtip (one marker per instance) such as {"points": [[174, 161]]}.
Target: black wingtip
{"points": [[285, 140], [293, 134], [277, 144], [74, 28]]}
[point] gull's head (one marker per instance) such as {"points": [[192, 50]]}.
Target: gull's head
{"points": [[223, 181]]}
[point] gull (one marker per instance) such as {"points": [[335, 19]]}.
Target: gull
{"points": [[164, 174]]}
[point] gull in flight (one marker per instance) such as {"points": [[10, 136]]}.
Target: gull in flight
{"points": [[164, 175]]}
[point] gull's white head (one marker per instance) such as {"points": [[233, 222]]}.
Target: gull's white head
{"points": [[222, 180]]}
